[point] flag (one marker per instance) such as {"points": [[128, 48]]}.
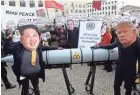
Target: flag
{"points": [[53, 4], [97, 4]]}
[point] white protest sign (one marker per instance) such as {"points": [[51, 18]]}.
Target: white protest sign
{"points": [[16, 38], [22, 22], [89, 33], [45, 36], [11, 24], [49, 22], [15, 14], [41, 22]]}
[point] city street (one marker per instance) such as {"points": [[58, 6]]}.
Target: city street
{"points": [[55, 84]]}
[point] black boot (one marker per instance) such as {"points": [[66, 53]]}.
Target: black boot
{"points": [[37, 92], [105, 66], [128, 92], [9, 86], [109, 66]]}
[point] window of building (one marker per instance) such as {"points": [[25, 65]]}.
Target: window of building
{"points": [[108, 13], [2, 2], [109, 7], [40, 3], [106, 8], [83, 6], [22, 3], [90, 10], [56, 10], [115, 13], [79, 6], [84, 11], [103, 8], [115, 1], [112, 12], [32, 3], [112, 2], [114, 7], [103, 12], [80, 11], [90, 6], [12, 3], [71, 10], [76, 11], [108, 2]]}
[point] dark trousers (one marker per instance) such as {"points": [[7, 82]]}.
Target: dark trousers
{"points": [[25, 85], [138, 68], [128, 78], [108, 65], [4, 75]]}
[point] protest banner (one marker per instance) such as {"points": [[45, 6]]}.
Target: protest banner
{"points": [[16, 15], [89, 33]]}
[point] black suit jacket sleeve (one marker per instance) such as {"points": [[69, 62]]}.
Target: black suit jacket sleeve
{"points": [[43, 48], [110, 46], [13, 46], [138, 52]]}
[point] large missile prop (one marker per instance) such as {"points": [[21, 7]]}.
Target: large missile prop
{"points": [[65, 57], [74, 56]]}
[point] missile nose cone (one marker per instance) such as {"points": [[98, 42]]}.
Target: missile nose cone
{"points": [[9, 59]]}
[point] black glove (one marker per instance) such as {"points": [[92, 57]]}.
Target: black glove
{"points": [[94, 47], [138, 75]]}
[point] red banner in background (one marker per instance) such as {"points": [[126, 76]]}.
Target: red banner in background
{"points": [[96, 4], [53, 4]]}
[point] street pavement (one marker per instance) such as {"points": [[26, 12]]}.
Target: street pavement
{"points": [[55, 84]]}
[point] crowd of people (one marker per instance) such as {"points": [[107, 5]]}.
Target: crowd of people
{"points": [[124, 36]]}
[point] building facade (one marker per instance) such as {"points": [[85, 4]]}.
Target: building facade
{"points": [[130, 10], [108, 7], [23, 3]]}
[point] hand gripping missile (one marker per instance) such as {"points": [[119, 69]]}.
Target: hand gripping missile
{"points": [[74, 56]]}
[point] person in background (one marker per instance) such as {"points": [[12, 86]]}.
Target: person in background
{"points": [[134, 22], [106, 39], [8, 40], [113, 34], [61, 37], [5, 80], [138, 27], [72, 34]]}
